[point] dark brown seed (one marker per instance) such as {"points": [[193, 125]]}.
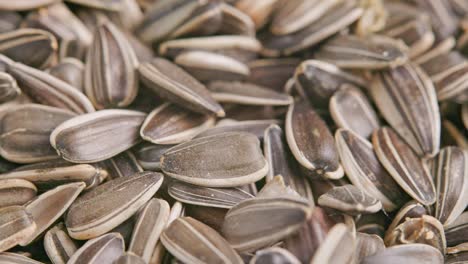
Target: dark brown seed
{"points": [[406, 168], [412, 253], [149, 155], [311, 142], [25, 132], [210, 216], [222, 160], [460, 258], [109, 5], [16, 225], [170, 124], [456, 234], [16, 192], [193, 242], [272, 73], [69, 70], [174, 84], [104, 249], [9, 20], [349, 199], [58, 245], [444, 22], [373, 224], [89, 138], [110, 204], [122, 165]]}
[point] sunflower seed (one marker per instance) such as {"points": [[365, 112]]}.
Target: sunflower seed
{"points": [[9, 20], [14, 258], [25, 132], [350, 109], [331, 22], [104, 249], [281, 163], [129, 258], [16, 225], [151, 221], [338, 246], [180, 236], [210, 216], [32, 47], [204, 20], [349, 199], [444, 22], [265, 222], [367, 245], [456, 234], [122, 165], [69, 70], [170, 124], [22, 5], [411, 209], [247, 93], [406, 168], [58, 245], [216, 161], [49, 206], [272, 73], [411, 253], [452, 135], [406, 98], [457, 258], [16, 192], [149, 155], [46, 89], [372, 224], [9, 90], [425, 230], [258, 11], [235, 22], [439, 47], [374, 52], [173, 83], [311, 142], [88, 138], [109, 5], [365, 171], [274, 255], [256, 127]]}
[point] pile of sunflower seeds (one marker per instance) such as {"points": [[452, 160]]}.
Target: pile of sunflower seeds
{"points": [[236, 131]]}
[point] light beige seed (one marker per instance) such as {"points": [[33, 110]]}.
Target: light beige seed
{"points": [[16, 224], [104, 249], [258, 11], [16, 192], [25, 4], [350, 199], [8, 257], [97, 136], [58, 245], [274, 255], [256, 127]]}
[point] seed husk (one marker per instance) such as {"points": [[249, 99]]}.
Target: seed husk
{"points": [[311, 142], [407, 99], [209, 66], [444, 22], [368, 245], [272, 73], [181, 235], [170, 124], [106, 248], [222, 160], [69, 70], [205, 20], [110, 72], [176, 85], [210, 216], [50, 206], [247, 93], [9, 89], [411, 209], [281, 163], [266, 221], [16, 224], [338, 246], [406, 168], [235, 22], [373, 52], [58, 245], [365, 171], [129, 258], [450, 173], [149, 155], [16, 192], [47, 89], [350, 109], [25, 132], [122, 165], [8, 257], [274, 255], [258, 11], [88, 138], [350, 199], [411, 253], [117, 200], [151, 221], [256, 127]]}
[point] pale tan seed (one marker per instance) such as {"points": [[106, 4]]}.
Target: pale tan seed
{"points": [[58, 245], [16, 192], [16, 224], [106, 248]]}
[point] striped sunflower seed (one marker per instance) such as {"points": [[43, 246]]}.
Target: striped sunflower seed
{"points": [[122, 165], [16, 225], [149, 155], [450, 173], [50, 206], [9, 89], [367, 245], [425, 230], [46, 89], [272, 73], [256, 127], [365, 171], [23, 5], [210, 66], [247, 93], [104, 249], [210, 216], [411, 209], [407, 99], [438, 48], [69, 70], [7, 257], [222, 160], [350, 199], [274, 255], [181, 235], [350, 109], [457, 258], [236, 22], [204, 20], [58, 245], [110, 204], [25, 132], [411, 253], [151, 221], [373, 224], [406, 168], [88, 138], [277, 188], [338, 246], [174, 84], [331, 22], [281, 163], [16, 192], [34, 47], [444, 22], [204, 196], [259, 11], [373, 52], [311, 142], [129, 258], [170, 124], [456, 234], [265, 222]]}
